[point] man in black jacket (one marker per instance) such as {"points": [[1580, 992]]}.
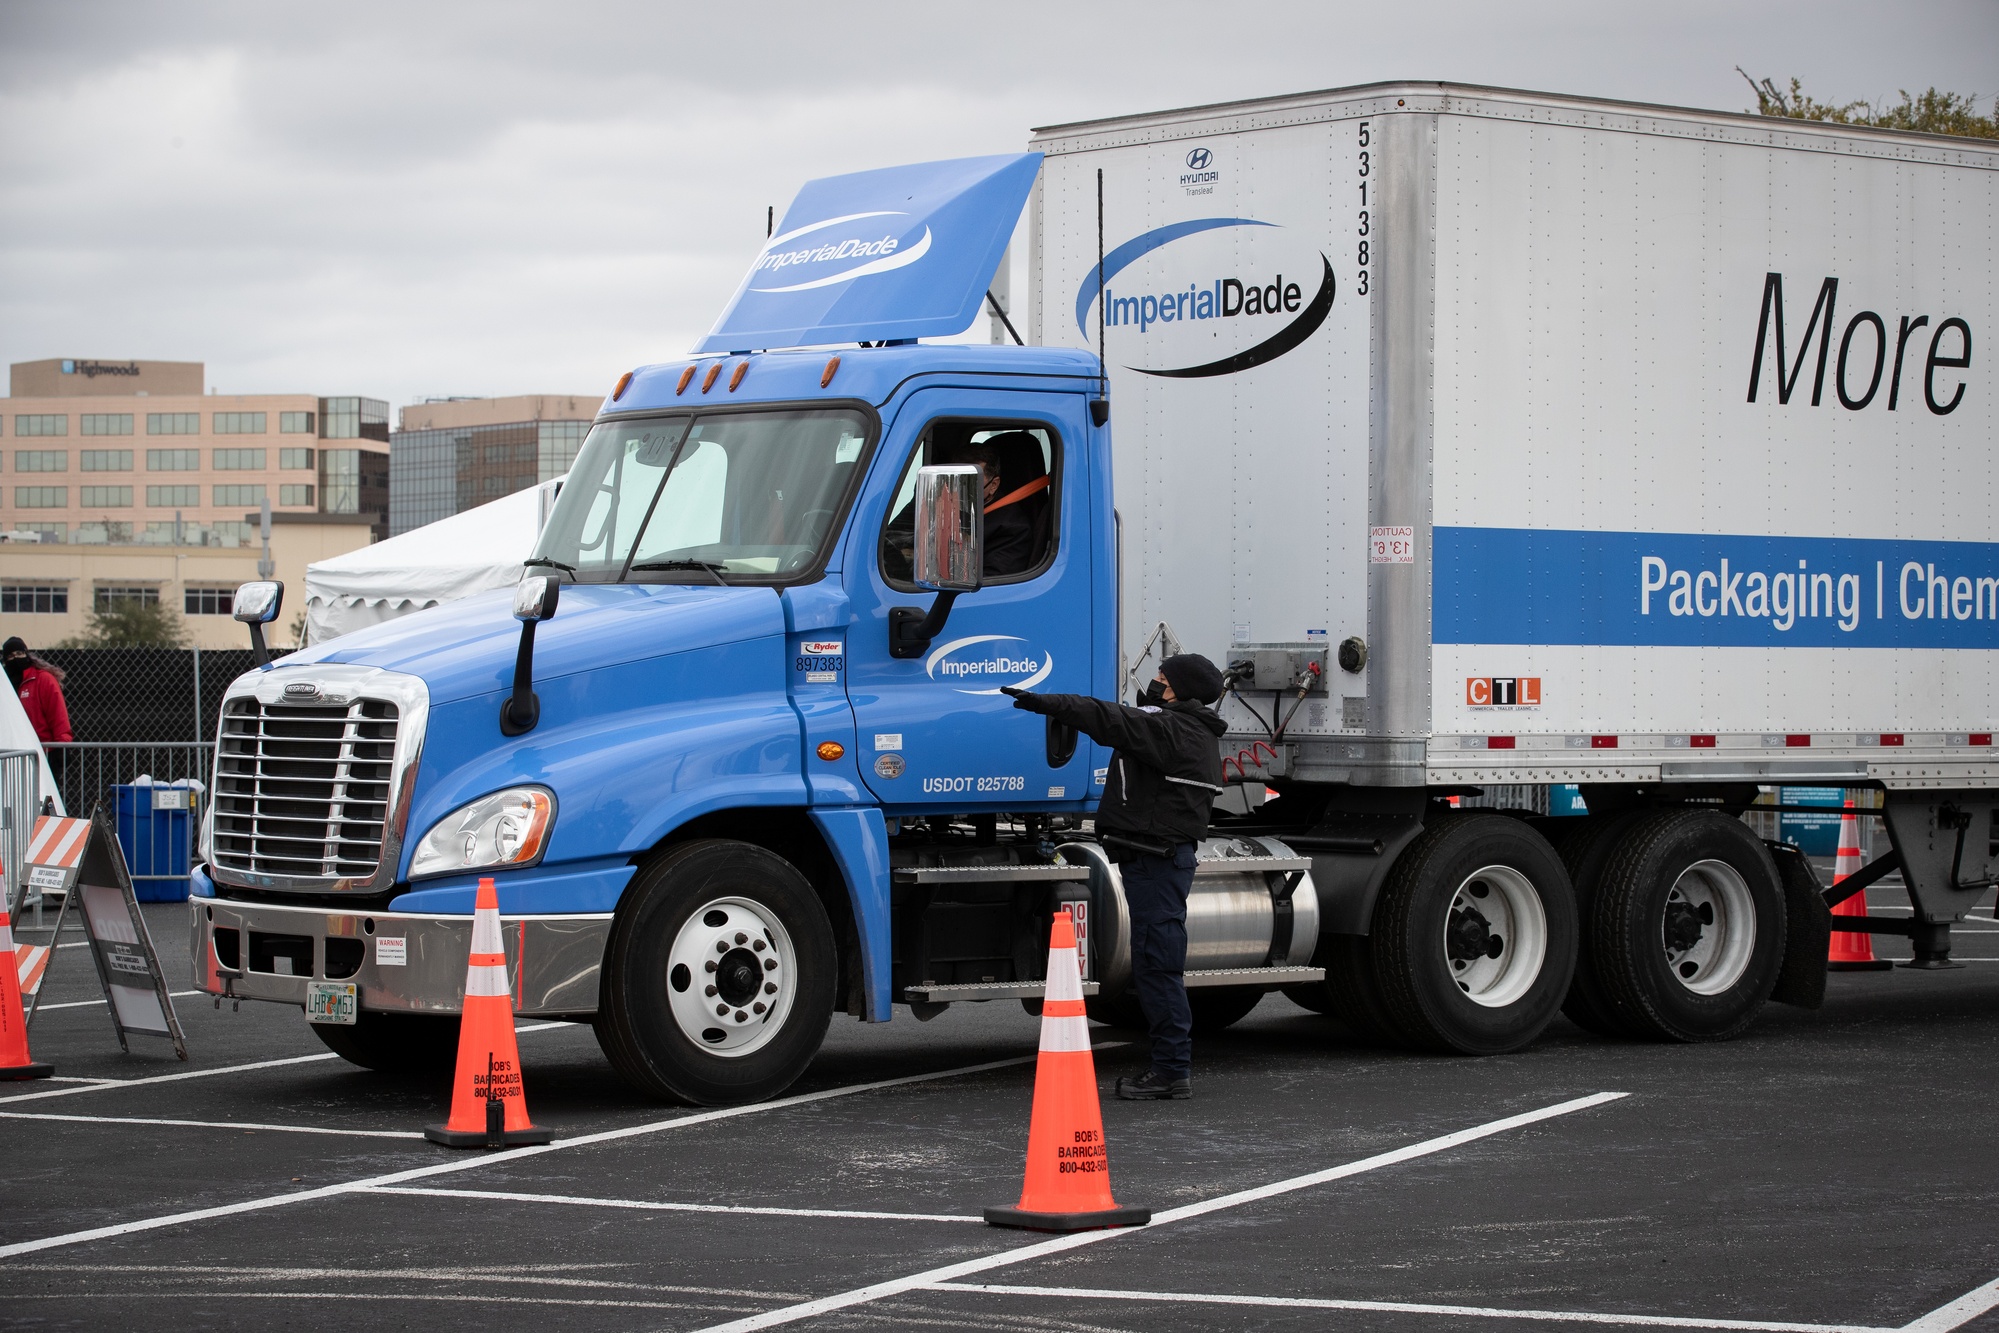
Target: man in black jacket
{"points": [[1161, 787]]}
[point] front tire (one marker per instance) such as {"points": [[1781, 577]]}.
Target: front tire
{"points": [[1474, 939], [1687, 931], [719, 977]]}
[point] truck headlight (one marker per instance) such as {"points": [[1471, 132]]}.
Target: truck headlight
{"points": [[507, 828]]}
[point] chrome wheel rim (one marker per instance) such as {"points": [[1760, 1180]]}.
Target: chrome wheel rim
{"points": [[1495, 936], [731, 976], [1708, 927]]}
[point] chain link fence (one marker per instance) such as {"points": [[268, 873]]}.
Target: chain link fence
{"points": [[146, 694]]}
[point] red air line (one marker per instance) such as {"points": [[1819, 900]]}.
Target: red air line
{"points": [[1244, 758]]}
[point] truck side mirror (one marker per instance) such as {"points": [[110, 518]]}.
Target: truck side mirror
{"points": [[535, 599], [257, 605], [949, 558]]}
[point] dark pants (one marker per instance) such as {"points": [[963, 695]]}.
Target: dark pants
{"points": [[1155, 889]]}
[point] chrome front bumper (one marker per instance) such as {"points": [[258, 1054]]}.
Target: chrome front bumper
{"points": [[269, 952]]}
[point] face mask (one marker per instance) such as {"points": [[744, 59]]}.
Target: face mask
{"points": [[1152, 696], [15, 666]]}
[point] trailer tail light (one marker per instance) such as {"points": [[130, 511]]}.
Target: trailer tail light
{"points": [[1889, 738], [1603, 742], [624, 383], [708, 380], [1499, 742], [1796, 741], [826, 375], [686, 378], [1700, 742], [1980, 738], [736, 376]]}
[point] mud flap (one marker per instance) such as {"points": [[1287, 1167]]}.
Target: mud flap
{"points": [[1808, 930]]}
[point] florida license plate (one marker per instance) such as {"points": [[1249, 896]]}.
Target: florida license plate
{"points": [[331, 1001]]}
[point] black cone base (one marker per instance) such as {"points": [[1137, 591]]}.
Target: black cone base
{"points": [[1103, 1217], [1877, 965], [33, 1069], [513, 1138]]}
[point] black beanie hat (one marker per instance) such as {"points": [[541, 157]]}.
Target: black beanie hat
{"points": [[13, 645], [1192, 676]]}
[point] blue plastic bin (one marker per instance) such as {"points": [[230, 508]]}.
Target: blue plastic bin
{"points": [[156, 842]]}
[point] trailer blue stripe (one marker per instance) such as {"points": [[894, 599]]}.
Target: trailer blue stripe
{"points": [[1535, 586]]}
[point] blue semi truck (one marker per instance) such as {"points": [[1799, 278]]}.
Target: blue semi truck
{"points": [[735, 752]]}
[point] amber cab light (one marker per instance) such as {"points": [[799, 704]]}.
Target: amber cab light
{"points": [[736, 376], [686, 378], [831, 750], [826, 375], [624, 383], [708, 380]]}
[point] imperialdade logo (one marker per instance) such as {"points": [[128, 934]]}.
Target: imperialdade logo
{"points": [[1252, 315], [876, 246], [1023, 669]]}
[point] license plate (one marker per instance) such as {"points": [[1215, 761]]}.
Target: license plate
{"points": [[331, 1001]]}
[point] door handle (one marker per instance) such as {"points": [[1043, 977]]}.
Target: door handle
{"points": [[1061, 743]]}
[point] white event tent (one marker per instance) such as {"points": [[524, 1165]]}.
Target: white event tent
{"points": [[473, 552]]}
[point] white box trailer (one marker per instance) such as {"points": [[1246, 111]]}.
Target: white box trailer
{"points": [[1575, 441]]}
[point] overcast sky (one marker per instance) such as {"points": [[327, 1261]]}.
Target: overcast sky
{"points": [[422, 199]]}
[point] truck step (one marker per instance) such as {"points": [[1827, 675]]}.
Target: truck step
{"points": [[984, 990], [1254, 976], [1001, 874]]}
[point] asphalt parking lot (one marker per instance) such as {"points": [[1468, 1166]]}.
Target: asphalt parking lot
{"points": [[1831, 1170]]}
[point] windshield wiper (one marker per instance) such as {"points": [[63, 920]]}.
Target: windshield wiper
{"points": [[542, 561], [712, 569]]}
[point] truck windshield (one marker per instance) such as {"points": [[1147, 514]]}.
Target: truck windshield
{"points": [[742, 497]]}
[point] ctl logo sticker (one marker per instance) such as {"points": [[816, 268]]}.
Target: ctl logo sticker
{"points": [[1503, 691]]}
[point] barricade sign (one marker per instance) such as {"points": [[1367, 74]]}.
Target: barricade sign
{"points": [[80, 859]]}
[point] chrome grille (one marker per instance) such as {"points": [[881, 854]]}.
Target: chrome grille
{"points": [[302, 791]]}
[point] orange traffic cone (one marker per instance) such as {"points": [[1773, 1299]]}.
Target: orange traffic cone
{"points": [[488, 1105], [15, 1062], [1068, 1185], [1851, 951]]}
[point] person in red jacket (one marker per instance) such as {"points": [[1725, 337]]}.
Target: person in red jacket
{"points": [[40, 687]]}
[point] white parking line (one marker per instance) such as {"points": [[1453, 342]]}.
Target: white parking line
{"points": [[213, 1124], [82, 1004], [494, 1158], [1042, 1249], [1956, 1314], [210, 1073], [643, 1205], [1411, 1307]]}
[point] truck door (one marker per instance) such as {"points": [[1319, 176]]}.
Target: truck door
{"points": [[935, 732]]}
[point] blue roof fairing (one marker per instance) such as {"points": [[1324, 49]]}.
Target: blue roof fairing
{"points": [[903, 252], [870, 374]]}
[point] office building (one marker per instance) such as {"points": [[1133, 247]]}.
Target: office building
{"points": [[450, 455], [114, 452]]}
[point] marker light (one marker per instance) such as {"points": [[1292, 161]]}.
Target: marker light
{"points": [[624, 383], [507, 828], [686, 378], [826, 375], [831, 750], [737, 376], [708, 380]]}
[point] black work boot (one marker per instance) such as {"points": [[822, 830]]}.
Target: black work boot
{"points": [[1153, 1086]]}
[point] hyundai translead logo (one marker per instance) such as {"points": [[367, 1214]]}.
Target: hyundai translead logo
{"points": [[1503, 691], [1199, 159]]}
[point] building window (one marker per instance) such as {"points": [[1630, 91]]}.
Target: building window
{"points": [[173, 460], [173, 423], [109, 596], [295, 495], [106, 497], [107, 423], [103, 532], [41, 497], [42, 423], [295, 423], [41, 460], [48, 532], [239, 460], [34, 599], [173, 497], [232, 534], [290, 459], [353, 419], [239, 423], [209, 601], [238, 495], [107, 460]]}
